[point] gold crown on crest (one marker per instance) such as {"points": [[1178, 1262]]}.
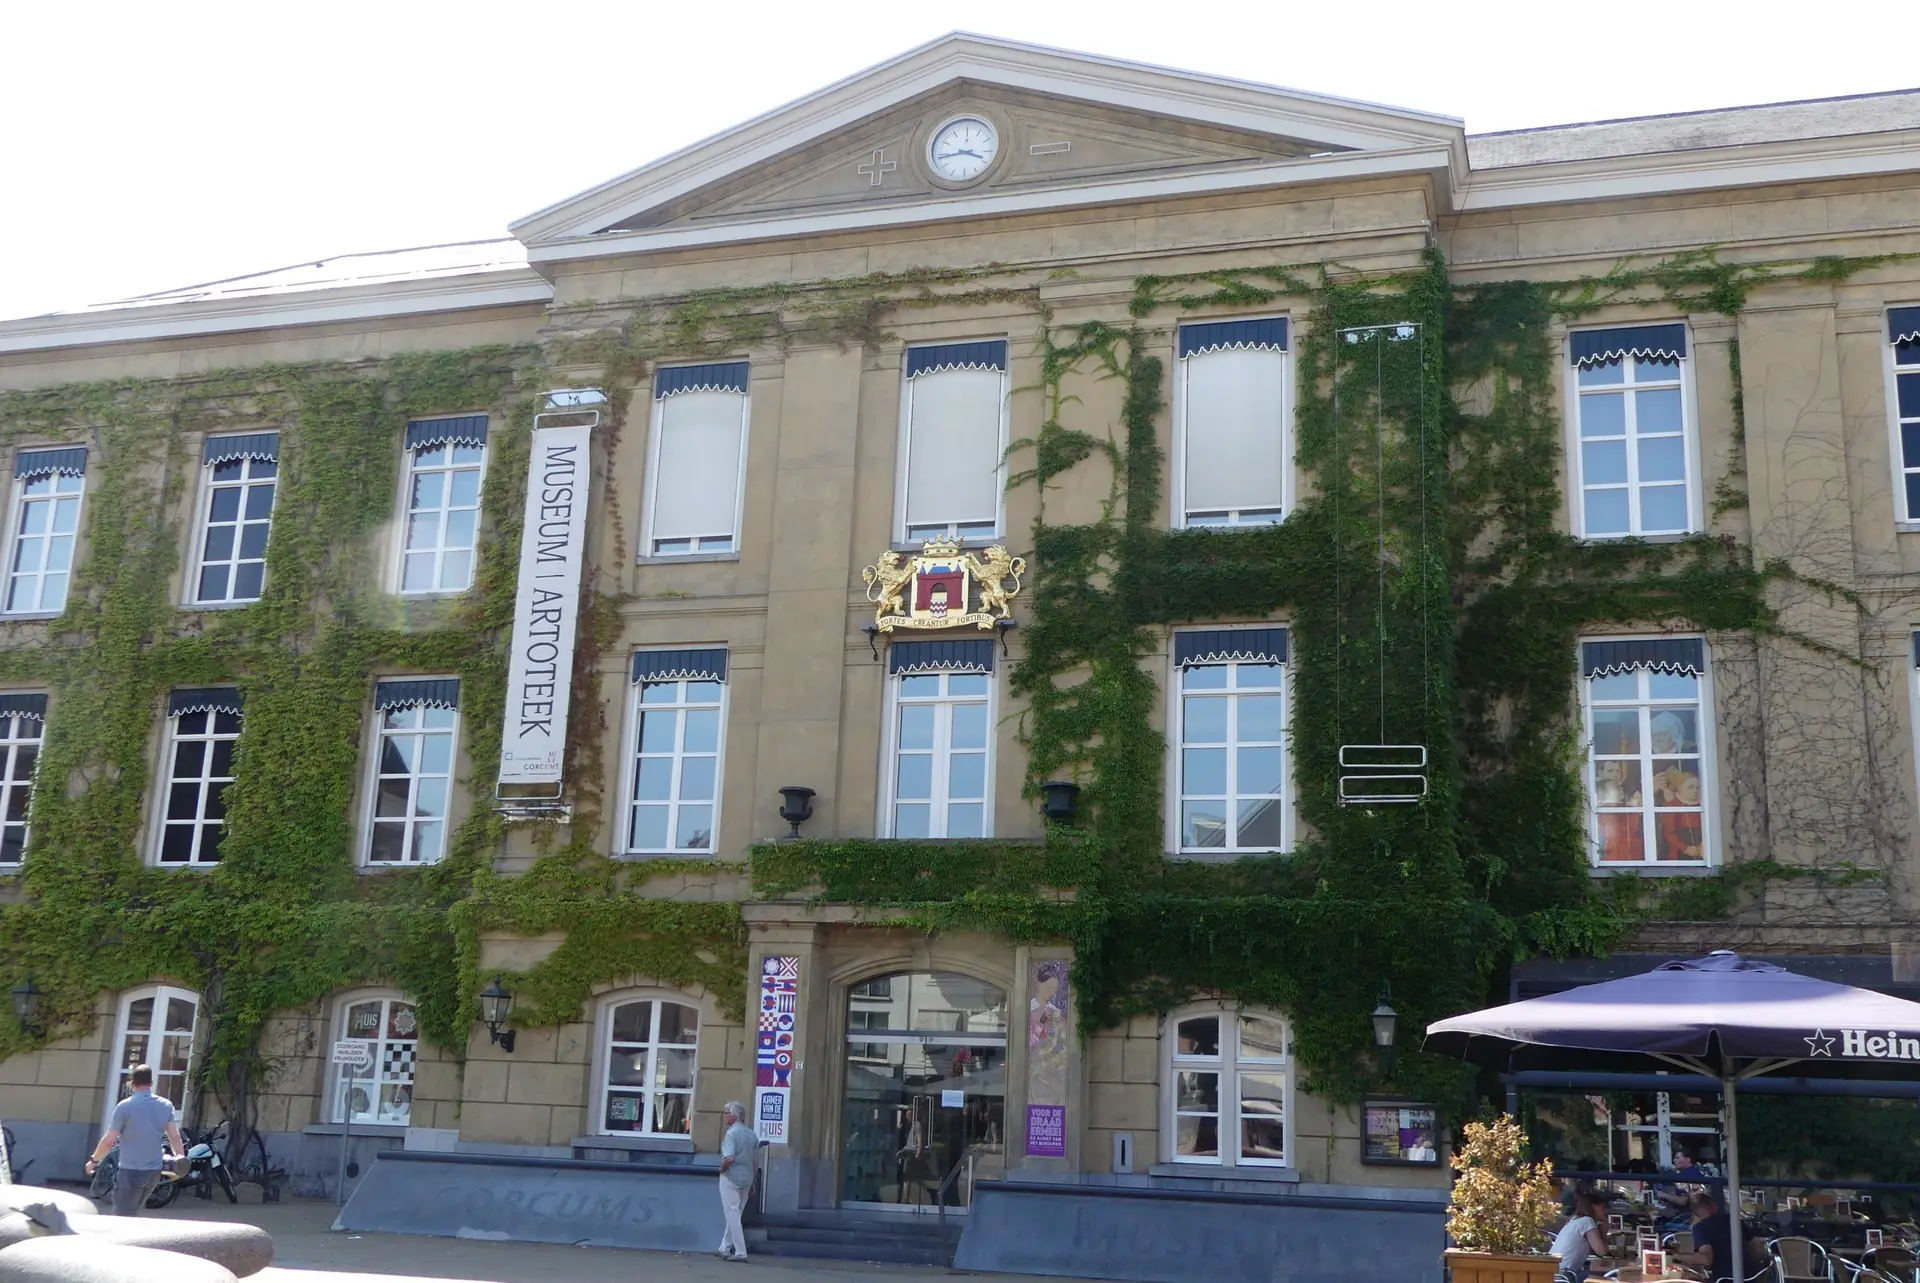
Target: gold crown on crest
{"points": [[941, 546]]}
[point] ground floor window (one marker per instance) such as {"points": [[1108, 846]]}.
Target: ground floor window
{"points": [[1229, 1087], [384, 1093], [650, 1050], [155, 1028]]}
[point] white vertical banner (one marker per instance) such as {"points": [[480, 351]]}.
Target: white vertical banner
{"points": [[546, 610]]}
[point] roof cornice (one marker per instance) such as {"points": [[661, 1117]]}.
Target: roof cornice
{"points": [[1234, 104], [1676, 172], [511, 287]]}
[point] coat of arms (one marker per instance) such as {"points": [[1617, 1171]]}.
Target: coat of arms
{"points": [[938, 587]]}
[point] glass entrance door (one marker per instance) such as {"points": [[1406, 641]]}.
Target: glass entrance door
{"points": [[925, 1107]]}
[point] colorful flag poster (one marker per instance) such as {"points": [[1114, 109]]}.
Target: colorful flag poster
{"points": [[774, 1057]]}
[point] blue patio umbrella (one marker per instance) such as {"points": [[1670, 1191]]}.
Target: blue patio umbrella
{"points": [[1723, 1016]]}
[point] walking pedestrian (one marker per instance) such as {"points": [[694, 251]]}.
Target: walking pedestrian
{"points": [[139, 1124], [739, 1149]]}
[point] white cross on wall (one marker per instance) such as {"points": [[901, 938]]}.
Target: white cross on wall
{"points": [[877, 167]]}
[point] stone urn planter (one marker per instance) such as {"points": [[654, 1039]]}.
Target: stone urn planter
{"points": [[1464, 1266]]}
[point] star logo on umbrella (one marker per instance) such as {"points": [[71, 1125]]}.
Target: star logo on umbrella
{"points": [[1821, 1043]]}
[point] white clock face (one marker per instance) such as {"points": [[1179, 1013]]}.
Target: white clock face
{"points": [[963, 148]]}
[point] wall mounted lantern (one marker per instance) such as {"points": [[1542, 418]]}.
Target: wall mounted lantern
{"points": [[1386, 1022], [1058, 800], [27, 1000], [496, 1004]]}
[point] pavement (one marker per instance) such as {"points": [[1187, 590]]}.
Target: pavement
{"points": [[308, 1250]]}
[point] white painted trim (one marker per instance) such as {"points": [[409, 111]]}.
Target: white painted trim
{"points": [[890, 745], [16, 498], [1229, 1069], [332, 1101], [1177, 515], [1710, 799], [1896, 452], [1176, 741], [117, 1049], [316, 307], [202, 511], [1213, 100], [1748, 165], [630, 751], [397, 560], [363, 840], [1689, 422], [603, 1055], [903, 442], [652, 483], [1431, 161]]}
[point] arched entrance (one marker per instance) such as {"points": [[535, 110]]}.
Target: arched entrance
{"points": [[925, 1109]]}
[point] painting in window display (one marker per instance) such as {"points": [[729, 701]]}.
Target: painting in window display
{"points": [[1646, 782], [1400, 1133]]}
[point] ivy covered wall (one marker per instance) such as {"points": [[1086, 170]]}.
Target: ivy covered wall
{"points": [[1431, 600]]}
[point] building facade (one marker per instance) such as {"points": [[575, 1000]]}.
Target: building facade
{"points": [[1398, 536]]}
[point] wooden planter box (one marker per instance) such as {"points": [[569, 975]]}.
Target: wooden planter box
{"points": [[1484, 1267]]}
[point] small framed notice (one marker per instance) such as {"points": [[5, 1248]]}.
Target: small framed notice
{"points": [[1876, 1238], [1399, 1133], [1653, 1265], [1616, 1224]]}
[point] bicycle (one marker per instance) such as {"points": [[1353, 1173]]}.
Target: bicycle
{"points": [[17, 1170]]}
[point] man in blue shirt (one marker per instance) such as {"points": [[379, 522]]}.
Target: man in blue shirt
{"points": [[139, 1124]]}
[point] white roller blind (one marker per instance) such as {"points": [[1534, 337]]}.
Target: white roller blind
{"points": [[696, 486], [1236, 429], [953, 447]]}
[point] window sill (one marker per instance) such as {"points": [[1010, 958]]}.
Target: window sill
{"points": [[1645, 539], [647, 857], [32, 616], [398, 1131], [445, 594], [685, 559], [183, 868], [647, 1144], [1210, 1172], [971, 541], [1655, 870], [220, 605], [381, 870], [1223, 857]]}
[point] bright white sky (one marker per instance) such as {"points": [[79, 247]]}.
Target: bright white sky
{"points": [[145, 146]]}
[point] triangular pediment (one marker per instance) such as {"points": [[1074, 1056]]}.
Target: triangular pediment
{"points": [[1069, 128]]}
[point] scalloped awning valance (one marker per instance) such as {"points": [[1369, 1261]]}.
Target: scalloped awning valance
{"points": [[1903, 325], [1212, 336], [465, 429], [702, 664], [24, 704], [71, 460], [990, 354], [1654, 342], [1227, 645], [971, 655], [1661, 654], [414, 692], [254, 445], [721, 376], [206, 699]]}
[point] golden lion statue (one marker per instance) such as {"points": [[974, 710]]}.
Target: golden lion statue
{"points": [[887, 581], [991, 573]]}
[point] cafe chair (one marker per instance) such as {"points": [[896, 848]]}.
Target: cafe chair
{"points": [[1893, 1260], [1679, 1241], [1800, 1260]]}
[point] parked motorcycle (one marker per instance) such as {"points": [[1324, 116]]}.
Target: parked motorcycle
{"points": [[205, 1169]]}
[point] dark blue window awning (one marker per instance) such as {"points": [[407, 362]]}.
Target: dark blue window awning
{"points": [[971, 655], [20, 704], [1661, 654], [466, 429], [1270, 334], [1654, 342], [725, 376], [71, 460], [254, 445], [1226, 645], [1903, 325], [990, 354], [705, 664], [205, 699], [414, 692]]}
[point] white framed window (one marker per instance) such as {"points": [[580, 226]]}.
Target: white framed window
{"points": [[155, 1028], [938, 767], [1229, 1094], [236, 513], [953, 436], [1649, 721], [446, 466], [203, 727], [1233, 456], [648, 1060], [1229, 717], [384, 1094], [1903, 408], [696, 460], [48, 487], [416, 725], [675, 747], [1637, 457], [23, 719]]}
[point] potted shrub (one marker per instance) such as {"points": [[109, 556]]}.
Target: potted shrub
{"points": [[1500, 1209]]}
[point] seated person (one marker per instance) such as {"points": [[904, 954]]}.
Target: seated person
{"points": [[1675, 1200], [1713, 1242], [1580, 1238]]}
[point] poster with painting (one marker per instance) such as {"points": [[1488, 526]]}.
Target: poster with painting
{"points": [[1399, 1133], [1048, 1029]]}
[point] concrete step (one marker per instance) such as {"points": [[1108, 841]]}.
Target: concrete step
{"points": [[872, 1251], [838, 1236]]}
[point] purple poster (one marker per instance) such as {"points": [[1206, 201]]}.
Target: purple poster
{"points": [[1047, 1131]]}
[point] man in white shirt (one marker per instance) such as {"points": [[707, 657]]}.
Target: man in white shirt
{"points": [[738, 1150]]}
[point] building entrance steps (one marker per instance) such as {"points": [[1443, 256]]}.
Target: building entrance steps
{"points": [[857, 1236]]}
